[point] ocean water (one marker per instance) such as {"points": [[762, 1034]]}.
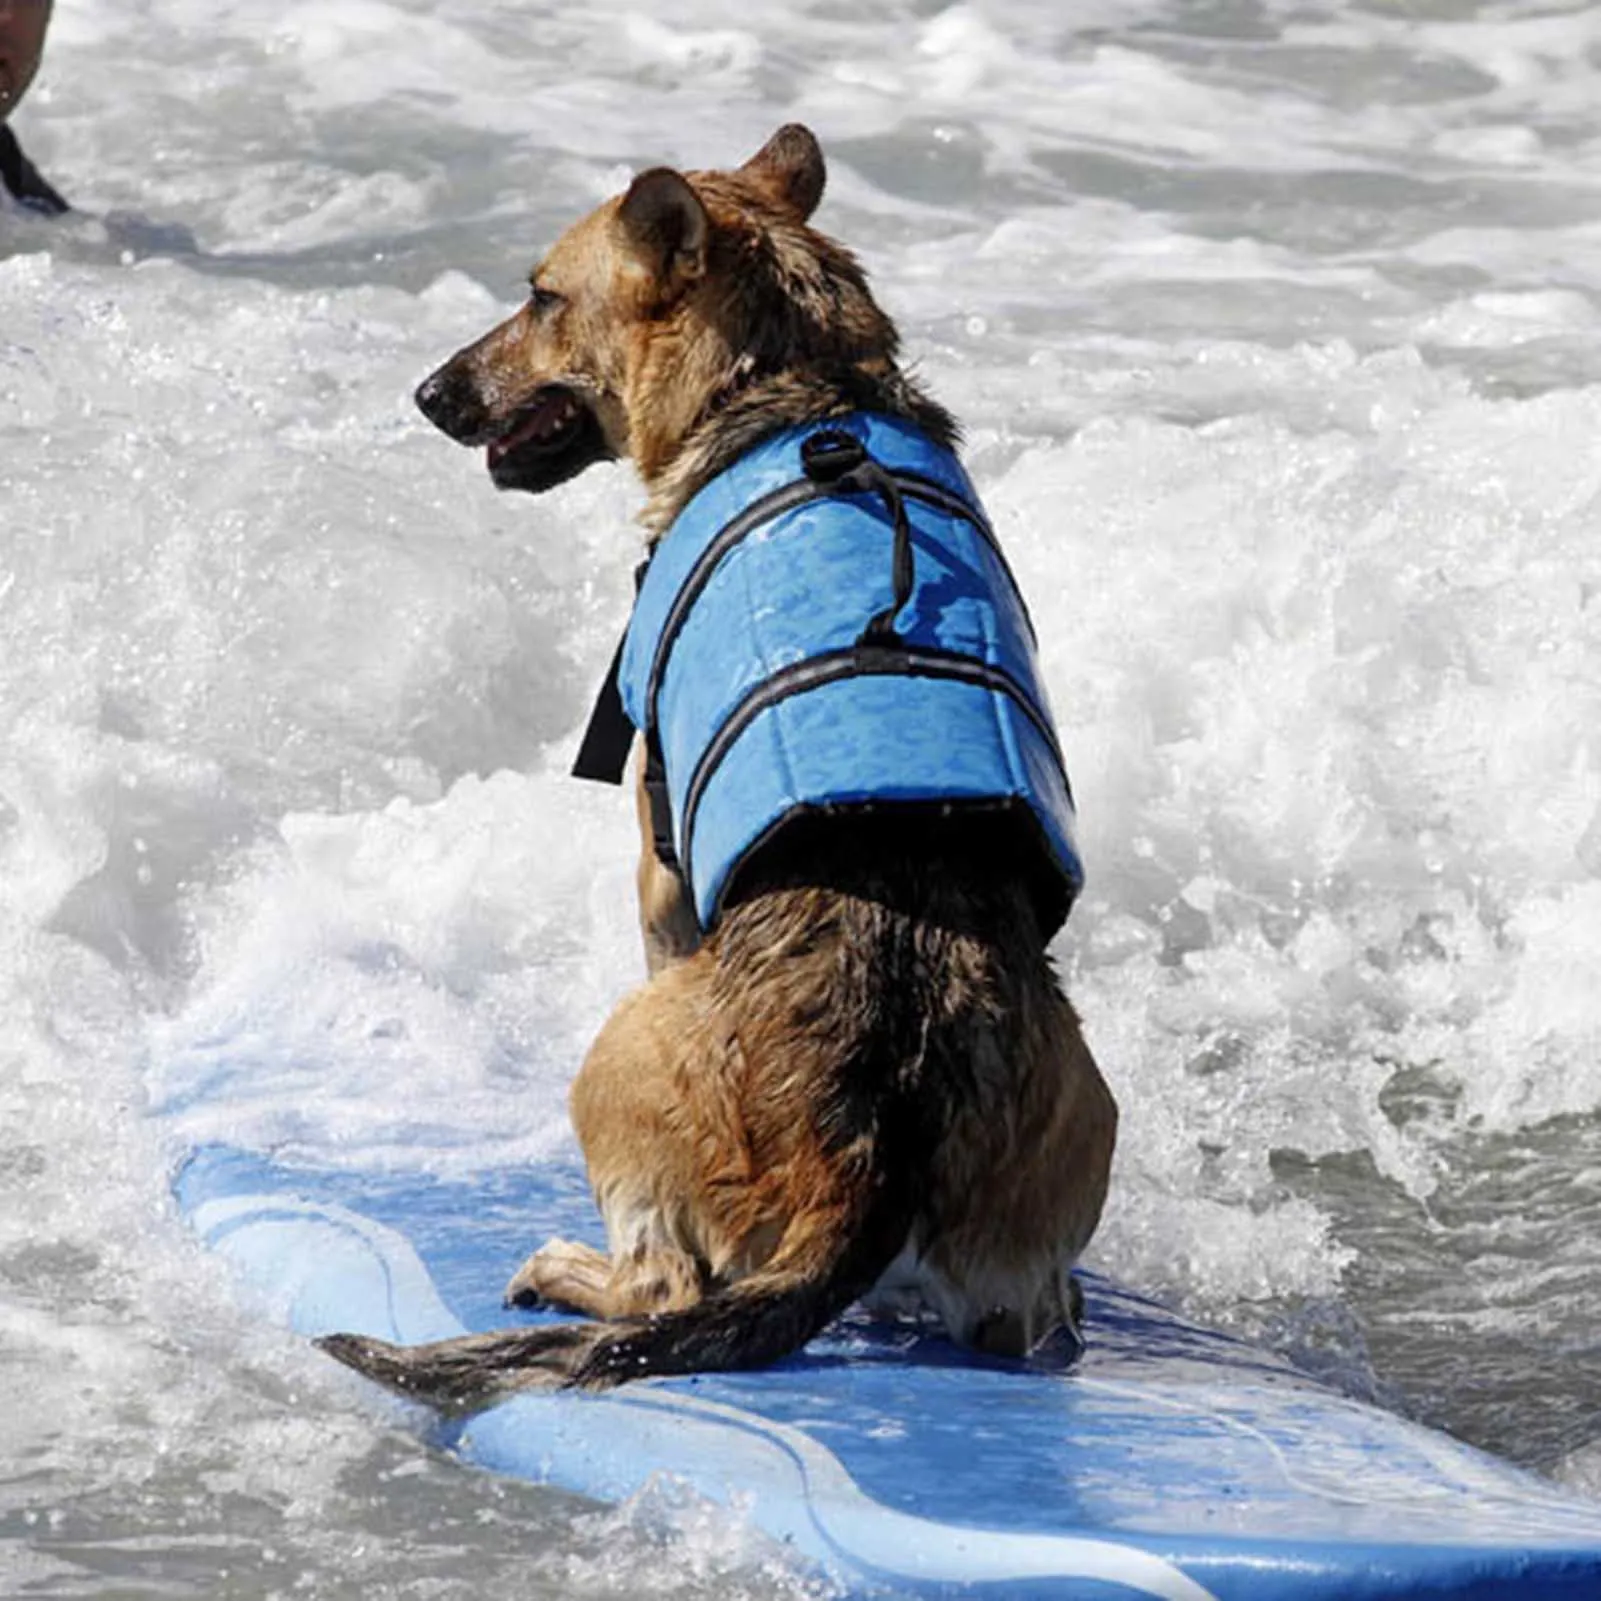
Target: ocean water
{"points": [[1276, 329]]}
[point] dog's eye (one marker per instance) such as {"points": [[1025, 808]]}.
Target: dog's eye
{"points": [[544, 300]]}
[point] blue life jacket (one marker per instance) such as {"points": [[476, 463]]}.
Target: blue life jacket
{"points": [[829, 624]]}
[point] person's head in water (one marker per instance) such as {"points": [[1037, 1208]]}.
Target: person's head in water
{"points": [[22, 30]]}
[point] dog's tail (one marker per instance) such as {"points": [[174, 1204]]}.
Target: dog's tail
{"points": [[824, 1262]]}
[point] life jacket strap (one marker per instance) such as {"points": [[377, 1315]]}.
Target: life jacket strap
{"points": [[660, 805], [840, 462], [609, 734]]}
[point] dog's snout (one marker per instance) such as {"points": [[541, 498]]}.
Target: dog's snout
{"points": [[430, 397], [450, 401]]}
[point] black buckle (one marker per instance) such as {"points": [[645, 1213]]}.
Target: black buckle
{"points": [[830, 455]]}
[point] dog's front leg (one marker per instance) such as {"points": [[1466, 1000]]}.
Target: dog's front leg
{"points": [[666, 915], [643, 1140]]}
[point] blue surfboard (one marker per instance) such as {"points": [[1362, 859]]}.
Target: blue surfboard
{"points": [[1170, 1462]]}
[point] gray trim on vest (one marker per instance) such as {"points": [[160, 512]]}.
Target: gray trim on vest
{"points": [[800, 493], [855, 661]]}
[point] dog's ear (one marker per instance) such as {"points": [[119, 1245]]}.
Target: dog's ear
{"points": [[789, 169], [666, 227]]}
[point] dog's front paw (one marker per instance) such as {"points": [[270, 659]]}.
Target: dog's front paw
{"points": [[561, 1274], [525, 1289], [524, 1294]]}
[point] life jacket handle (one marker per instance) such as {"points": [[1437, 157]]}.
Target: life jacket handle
{"points": [[838, 461]]}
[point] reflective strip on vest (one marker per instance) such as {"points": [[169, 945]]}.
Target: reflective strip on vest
{"points": [[744, 657]]}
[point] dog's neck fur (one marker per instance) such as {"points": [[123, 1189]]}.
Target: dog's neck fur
{"points": [[787, 330], [785, 400]]}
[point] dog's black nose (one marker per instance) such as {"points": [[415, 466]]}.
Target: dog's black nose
{"points": [[449, 399], [434, 400]]}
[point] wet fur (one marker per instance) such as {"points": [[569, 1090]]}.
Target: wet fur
{"points": [[867, 1075]]}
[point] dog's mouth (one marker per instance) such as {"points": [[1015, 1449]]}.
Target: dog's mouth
{"points": [[549, 440]]}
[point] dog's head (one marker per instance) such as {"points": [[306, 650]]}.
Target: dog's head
{"points": [[652, 309]]}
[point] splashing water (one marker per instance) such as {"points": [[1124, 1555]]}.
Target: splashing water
{"points": [[1274, 329]]}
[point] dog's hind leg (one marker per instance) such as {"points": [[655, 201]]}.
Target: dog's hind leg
{"points": [[1019, 1196], [648, 1141]]}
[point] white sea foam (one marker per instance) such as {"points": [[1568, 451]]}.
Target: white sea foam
{"points": [[1275, 335]]}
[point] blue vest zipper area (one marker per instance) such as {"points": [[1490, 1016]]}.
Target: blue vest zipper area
{"points": [[796, 649]]}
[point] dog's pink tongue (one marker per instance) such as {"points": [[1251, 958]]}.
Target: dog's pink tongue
{"points": [[509, 442], [543, 422]]}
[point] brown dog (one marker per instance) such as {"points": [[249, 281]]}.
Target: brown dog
{"points": [[865, 1074]]}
